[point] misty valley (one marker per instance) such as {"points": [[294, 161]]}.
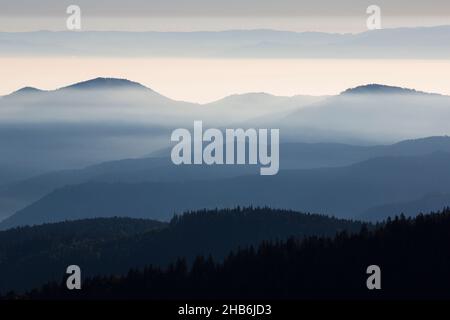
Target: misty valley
{"points": [[336, 163], [129, 185]]}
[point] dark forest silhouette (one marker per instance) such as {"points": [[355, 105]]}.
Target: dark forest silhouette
{"points": [[32, 256], [413, 255]]}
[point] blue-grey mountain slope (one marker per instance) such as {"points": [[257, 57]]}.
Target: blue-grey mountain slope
{"points": [[433, 202], [16, 196], [371, 112], [343, 191]]}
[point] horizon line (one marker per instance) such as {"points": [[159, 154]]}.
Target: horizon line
{"points": [[230, 30]]}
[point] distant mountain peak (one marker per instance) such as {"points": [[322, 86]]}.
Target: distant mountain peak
{"points": [[26, 90], [250, 97], [427, 140], [106, 83], [375, 88]]}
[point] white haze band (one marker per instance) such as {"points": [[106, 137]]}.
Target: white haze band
{"points": [[219, 152]]}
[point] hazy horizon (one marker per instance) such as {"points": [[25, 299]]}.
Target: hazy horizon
{"points": [[179, 15], [205, 67]]}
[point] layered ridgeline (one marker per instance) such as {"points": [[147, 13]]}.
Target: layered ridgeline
{"points": [[420, 43], [348, 191], [106, 119], [412, 255], [31, 256], [159, 168], [102, 119]]}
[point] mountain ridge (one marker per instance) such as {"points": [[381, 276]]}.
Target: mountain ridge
{"points": [[367, 184], [102, 83], [121, 243], [112, 83], [375, 88], [409, 42], [158, 167], [97, 83]]}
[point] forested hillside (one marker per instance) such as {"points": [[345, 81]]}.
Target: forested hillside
{"points": [[31, 256], [413, 255]]}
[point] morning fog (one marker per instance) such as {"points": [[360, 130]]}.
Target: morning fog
{"points": [[235, 146]]}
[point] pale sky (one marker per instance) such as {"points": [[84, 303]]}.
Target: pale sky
{"points": [[189, 15], [206, 80], [135, 8]]}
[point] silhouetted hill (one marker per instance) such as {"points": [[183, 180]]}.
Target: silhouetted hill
{"points": [[106, 84], [427, 203], [97, 84], [361, 112], [114, 245], [412, 255], [380, 89], [98, 229], [26, 90], [97, 91]]}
